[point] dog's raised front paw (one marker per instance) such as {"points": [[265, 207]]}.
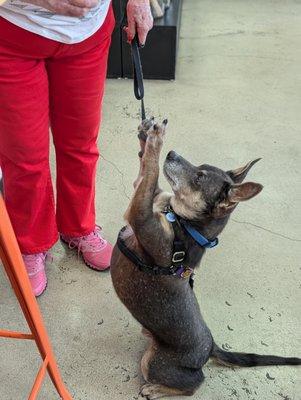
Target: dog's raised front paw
{"points": [[144, 127], [156, 134]]}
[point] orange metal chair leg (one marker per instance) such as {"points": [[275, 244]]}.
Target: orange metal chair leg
{"points": [[15, 270]]}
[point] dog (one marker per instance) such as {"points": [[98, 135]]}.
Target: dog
{"points": [[152, 274]]}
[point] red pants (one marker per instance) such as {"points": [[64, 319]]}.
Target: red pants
{"points": [[44, 83]]}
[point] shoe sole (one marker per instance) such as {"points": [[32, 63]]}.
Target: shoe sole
{"points": [[91, 266], [44, 289]]}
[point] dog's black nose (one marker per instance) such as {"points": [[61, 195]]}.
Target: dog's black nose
{"points": [[172, 155]]}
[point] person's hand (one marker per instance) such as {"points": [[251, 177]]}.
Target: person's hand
{"points": [[72, 8], [140, 20]]}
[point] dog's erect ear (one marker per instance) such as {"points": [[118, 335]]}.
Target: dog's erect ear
{"points": [[239, 174], [244, 191], [237, 193]]}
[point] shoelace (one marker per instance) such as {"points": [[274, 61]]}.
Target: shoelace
{"points": [[89, 242], [34, 262]]}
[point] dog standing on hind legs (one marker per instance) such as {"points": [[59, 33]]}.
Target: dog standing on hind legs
{"points": [[155, 256]]}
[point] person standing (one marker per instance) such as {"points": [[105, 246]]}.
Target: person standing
{"points": [[53, 63]]}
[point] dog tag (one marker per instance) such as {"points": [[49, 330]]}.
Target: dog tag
{"points": [[170, 217], [186, 274]]}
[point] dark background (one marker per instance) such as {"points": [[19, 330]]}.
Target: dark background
{"points": [[158, 57]]}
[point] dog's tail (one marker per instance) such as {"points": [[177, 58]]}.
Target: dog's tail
{"points": [[250, 359]]}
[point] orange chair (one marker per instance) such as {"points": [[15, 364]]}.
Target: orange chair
{"points": [[15, 270]]}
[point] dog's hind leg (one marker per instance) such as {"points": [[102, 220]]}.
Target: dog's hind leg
{"points": [[146, 333], [148, 356], [165, 377]]}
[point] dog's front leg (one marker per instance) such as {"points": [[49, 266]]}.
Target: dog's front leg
{"points": [[147, 182], [148, 225], [143, 128]]}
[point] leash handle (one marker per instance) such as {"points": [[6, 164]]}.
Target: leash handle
{"points": [[138, 75]]}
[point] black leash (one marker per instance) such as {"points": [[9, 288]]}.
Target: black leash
{"points": [[137, 67], [138, 75]]}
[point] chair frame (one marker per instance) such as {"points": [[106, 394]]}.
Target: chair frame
{"points": [[15, 269]]}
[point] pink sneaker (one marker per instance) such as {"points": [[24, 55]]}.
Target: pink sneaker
{"points": [[35, 267], [95, 250]]}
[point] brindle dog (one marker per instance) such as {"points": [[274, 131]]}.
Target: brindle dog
{"points": [[166, 306]]}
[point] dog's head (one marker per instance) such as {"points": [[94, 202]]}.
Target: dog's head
{"points": [[201, 191]]}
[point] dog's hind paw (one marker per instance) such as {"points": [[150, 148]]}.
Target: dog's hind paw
{"points": [[151, 391]]}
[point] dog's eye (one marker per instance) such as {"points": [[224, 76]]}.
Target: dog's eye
{"points": [[200, 176]]}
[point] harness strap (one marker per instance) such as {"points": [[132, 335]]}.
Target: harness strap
{"points": [[176, 270], [179, 250]]}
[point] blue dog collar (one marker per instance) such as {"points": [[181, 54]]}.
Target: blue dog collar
{"points": [[199, 238], [196, 235]]}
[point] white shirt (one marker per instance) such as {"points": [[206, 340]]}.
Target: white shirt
{"points": [[52, 26]]}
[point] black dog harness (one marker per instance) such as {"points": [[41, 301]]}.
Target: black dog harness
{"points": [[178, 267]]}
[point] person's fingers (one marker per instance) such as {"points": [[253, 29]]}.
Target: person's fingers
{"points": [[71, 11], [142, 33], [84, 3], [75, 11], [140, 20], [130, 29], [143, 27], [130, 35], [63, 7], [144, 23]]}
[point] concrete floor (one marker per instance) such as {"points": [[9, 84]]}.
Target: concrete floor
{"points": [[236, 97]]}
